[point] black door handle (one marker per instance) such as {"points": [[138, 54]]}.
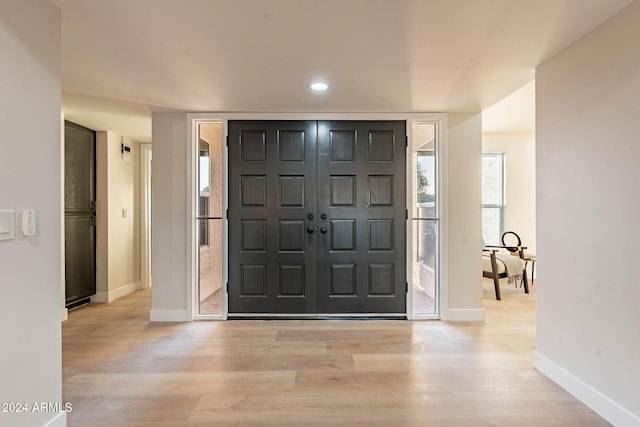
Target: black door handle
{"points": [[323, 230], [310, 230]]}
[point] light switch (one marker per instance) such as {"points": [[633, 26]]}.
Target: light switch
{"points": [[7, 225]]}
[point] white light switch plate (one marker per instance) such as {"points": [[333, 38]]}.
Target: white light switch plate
{"points": [[7, 225]]}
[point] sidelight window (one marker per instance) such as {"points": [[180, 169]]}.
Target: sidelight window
{"points": [[425, 220], [209, 219]]}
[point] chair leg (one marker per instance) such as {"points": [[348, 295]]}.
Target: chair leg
{"points": [[533, 266], [524, 274], [525, 281], [496, 285]]}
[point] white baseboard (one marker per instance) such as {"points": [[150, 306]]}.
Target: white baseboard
{"points": [[465, 315], [116, 293], [60, 420], [64, 314], [168, 316], [595, 400]]}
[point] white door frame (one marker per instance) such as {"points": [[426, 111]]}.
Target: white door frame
{"points": [[194, 119], [145, 215]]}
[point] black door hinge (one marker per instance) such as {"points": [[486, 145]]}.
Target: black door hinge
{"points": [[227, 213], [406, 140], [406, 214], [406, 287], [227, 140]]}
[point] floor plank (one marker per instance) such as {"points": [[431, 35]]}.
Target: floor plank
{"points": [[121, 370]]}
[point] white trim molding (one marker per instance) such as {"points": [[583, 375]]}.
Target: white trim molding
{"points": [[116, 293], [594, 399], [146, 155], [464, 315], [64, 314]]}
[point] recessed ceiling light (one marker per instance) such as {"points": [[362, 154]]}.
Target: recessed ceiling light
{"points": [[319, 86]]}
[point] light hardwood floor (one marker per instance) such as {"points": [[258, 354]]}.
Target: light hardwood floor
{"points": [[120, 370]]}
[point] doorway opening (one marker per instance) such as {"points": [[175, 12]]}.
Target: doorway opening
{"points": [[212, 214], [79, 214], [317, 218]]}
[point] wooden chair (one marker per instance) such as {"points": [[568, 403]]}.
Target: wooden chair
{"points": [[512, 242], [498, 269]]}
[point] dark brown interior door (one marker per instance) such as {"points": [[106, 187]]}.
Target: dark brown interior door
{"points": [[79, 213], [317, 218]]}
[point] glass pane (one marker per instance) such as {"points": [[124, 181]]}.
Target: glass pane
{"points": [[491, 226], [210, 268], [425, 184], [425, 290], [209, 230], [492, 175], [204, 178], [424, 179], [210, 169]]}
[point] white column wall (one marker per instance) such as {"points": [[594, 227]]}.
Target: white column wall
{"points": [[30, 167], [169, 261], [588, 170], [464, 218]]}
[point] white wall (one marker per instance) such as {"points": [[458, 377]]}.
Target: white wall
{"points": [[118, 246], [588, 154], [169, 213], [124, 255], [464, 217], [30, 164], [102, 214], [520, 150]]}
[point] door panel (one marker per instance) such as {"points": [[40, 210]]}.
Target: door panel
{"points": [[272, 190], [317, 217], [361, 190], [79, 205], [79, 233]]}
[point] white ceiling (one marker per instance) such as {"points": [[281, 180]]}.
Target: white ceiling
{"points": [[122, 59]]}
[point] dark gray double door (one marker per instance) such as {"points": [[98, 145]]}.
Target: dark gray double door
{"points": [[317, 217]]}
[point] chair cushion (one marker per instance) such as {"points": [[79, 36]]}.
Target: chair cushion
{"points": [[486, 265]]}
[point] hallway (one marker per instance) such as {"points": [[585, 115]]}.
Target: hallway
{"points": [[121, 370]]}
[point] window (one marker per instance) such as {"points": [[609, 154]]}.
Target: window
{"points": [[203, 201], [493, 197], [424, 203], [203, 209], [209, 224]]}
